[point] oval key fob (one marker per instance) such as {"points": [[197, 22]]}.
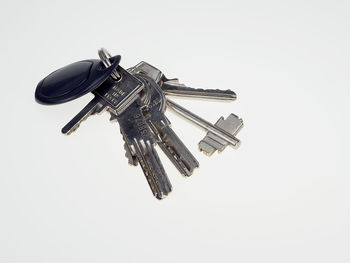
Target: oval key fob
{"points": [[73, 81]]}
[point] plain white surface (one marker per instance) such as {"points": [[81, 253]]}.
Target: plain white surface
{"points": [[283, 196]]}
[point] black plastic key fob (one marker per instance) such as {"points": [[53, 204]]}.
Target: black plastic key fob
{"points": [[73, 81]]}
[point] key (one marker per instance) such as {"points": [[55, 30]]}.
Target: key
{"points": [[167, 139], [221, 133], [140, 142], [172, 87], [114, 95], [211, 142], [96, 105]]}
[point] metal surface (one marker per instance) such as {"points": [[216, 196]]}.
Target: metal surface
{"points": [[119, 94], [105, 58], [167, 139], [93, 107], [140, 141], [229, 138], [211, 142], [172, 87]]}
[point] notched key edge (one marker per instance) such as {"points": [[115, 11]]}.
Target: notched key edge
{"points": [[157, 180], [166, 137], [93, 107]]}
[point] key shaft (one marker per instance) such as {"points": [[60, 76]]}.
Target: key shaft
{"points": [[166, 138], [204, 124], [140, 143], [177, 152], [93, 107], [173, 88]]}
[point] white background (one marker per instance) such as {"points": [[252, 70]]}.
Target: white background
{"points": [[283, 196]]}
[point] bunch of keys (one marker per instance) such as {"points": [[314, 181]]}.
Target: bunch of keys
{"points": [[137, 99]]}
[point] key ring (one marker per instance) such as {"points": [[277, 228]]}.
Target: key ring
{"points": [[105, 58]]}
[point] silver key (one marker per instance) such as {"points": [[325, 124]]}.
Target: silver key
{"points": [[211, 142], [141, 143], [93, 107], [221, 133], [174, 88], [167, 139]]}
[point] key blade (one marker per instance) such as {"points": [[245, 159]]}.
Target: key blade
{"points": [[93, 107], [229, 138], [139, 138], [177, 152], [173, 88], [152, 168], [166, 138], [174, 148]]}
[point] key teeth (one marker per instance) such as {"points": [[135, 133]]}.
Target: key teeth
{"points": [[131, 159], [157, 179], [176, 150], [68, 129]]}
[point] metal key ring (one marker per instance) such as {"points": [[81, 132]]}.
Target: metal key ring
{"points": [[105, 58]]}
